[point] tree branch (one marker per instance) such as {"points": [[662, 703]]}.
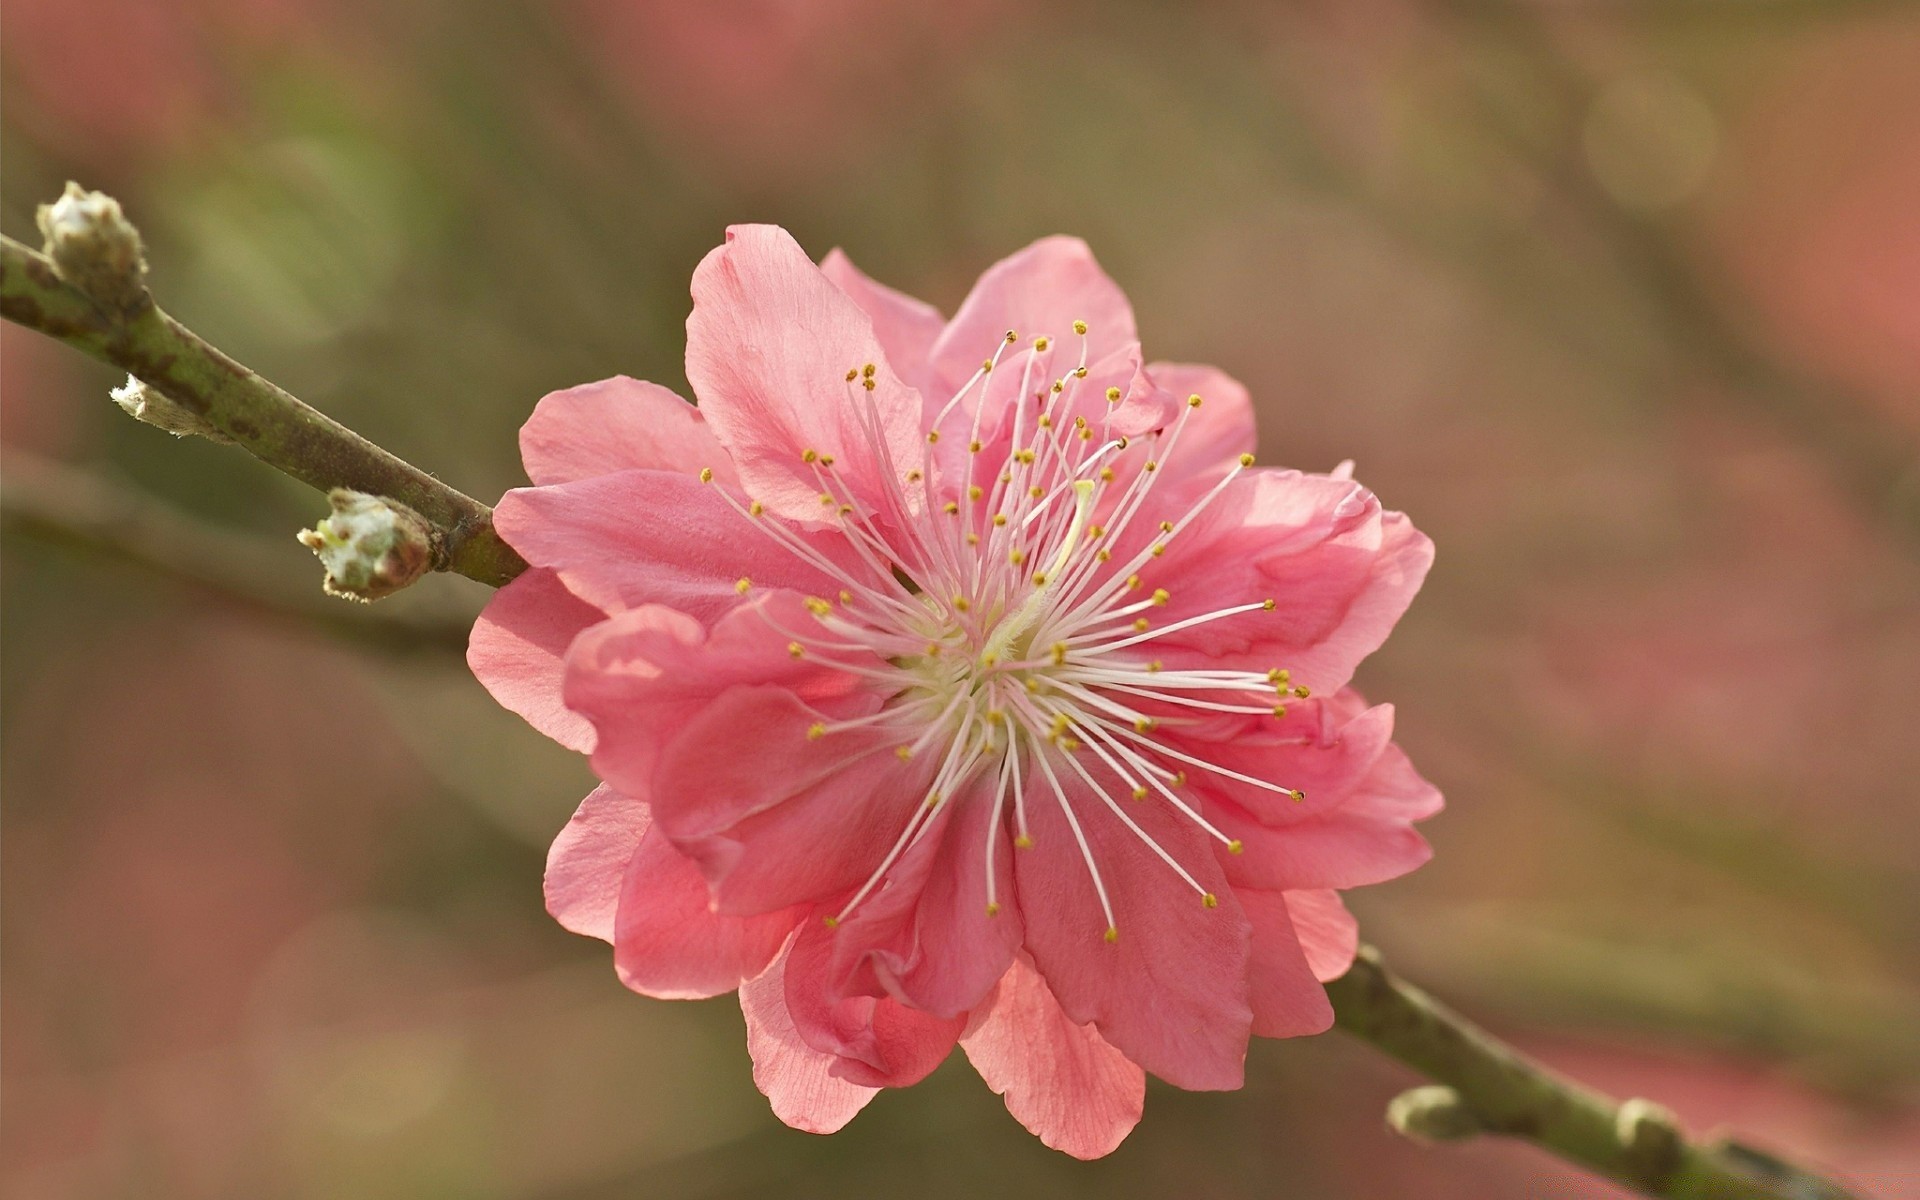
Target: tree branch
{"points": [[263, 419], [1487, 1086]]}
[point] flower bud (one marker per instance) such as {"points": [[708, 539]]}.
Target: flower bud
{"points": [[1432, 1114], [95, 248], [143, 402], [370, 546]]}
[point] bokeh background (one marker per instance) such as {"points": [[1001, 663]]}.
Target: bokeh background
{"points": [[1621, 301]]}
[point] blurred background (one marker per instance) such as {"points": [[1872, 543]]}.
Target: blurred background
{"points": [[1621, 301]]}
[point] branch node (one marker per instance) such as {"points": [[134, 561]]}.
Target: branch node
{"points": [[144, 402], [96, 249], [1433, 1114], [371, 546], [1651, 1143]]}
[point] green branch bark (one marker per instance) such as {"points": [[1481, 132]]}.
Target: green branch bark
{"points": [[1486, 1086], [256, 415]]}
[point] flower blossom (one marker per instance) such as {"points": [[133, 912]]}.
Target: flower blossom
{"points": [[956, 682]]}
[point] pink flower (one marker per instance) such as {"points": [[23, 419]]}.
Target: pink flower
{"points": [[956, 681]]}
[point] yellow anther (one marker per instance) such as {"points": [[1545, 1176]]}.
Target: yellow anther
{"points": [[993, 908], [933, 649], [1143, 724], [1133, 581], [1023, 842], [1179, 779], [1153, 666], [1139, 792], [1032, 685], [1236, 846], [1113, 395], [933, 435], [975, 491], [755, 508], [1041, 342], [1279, 675], [1298, 795], [1016, 557], [1210, 900], [816, 731], [1267, 604], [796, 649], [1012, 337], [1150, 467], [1069, 744], [1106, 474], [1080, 327], [1079, 372], [742, 585], [1280, 710], [950, 507], [961, 604], [1141, 624], [808, 456], [868, 370], [867, 384], [996, 716], [845, 509], [933, 799], [818, 606], [986, 365], [826, 460], [903, 753], [1059, 653], [1086, 435], [1161, 596], [1036, 491], [1061, 724], [1023, 456], [1166, 527], [914, 476], [987, 660], [1122, 443], [973, 539], [1246, 460], [1103, 554], [973, 447], [853, 373], [826, 499], [1193, 401], [846, 597], [999, 519], [706, 474], [831, 922], [1112, 935], [1058, 387], [1046, 419], [1039, 579], [1302, 692]]}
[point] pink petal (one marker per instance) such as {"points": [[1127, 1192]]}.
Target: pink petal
{"points": [[926, 937], [643, 675], [518, 648], [1327, 931], [769, 346], [588, 860], [1339, 570], [654, 537], [905, 327], [877, 1041], [1061, 1080], [1171, 991], [777, 818], [1324, 747], [669, 943], [617, 424], [1367, 838], [1288, 1000], [1042, 289], [1220, 430], [794, 1077]]}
